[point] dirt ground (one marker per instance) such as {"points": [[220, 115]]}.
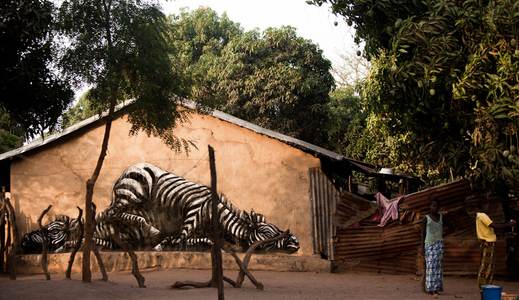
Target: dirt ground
{"points": [[278, 285]]}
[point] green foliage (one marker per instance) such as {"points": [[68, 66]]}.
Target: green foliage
{"points": [[11, 136], [375, 21], [83, 109], [199, 38], [274, 79], [443, 85], [30, 91], [122, 48], [346, 122]]}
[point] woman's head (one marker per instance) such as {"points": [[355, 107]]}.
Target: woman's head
{"points": [[434, 205]]}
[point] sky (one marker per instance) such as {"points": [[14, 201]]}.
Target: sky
{"points": [[312, 22]]}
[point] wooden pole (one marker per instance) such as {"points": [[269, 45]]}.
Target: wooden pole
{"points": [[45, 243], [11, 257], [96, 250], [77, 245], [128, 249], [216, 249], [2, 230]]}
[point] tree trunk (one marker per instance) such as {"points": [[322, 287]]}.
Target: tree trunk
{"points": [[90, 184]]}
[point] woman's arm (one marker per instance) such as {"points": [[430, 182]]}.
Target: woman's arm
{"points": [[424, 229], [448, 225]]}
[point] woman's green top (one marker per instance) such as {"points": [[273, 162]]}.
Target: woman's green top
{"points": [[434, 230]]}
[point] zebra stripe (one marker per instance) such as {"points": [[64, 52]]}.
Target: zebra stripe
{"points": [[147, 199]]}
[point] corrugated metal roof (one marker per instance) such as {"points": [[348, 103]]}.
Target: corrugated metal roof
{"points": [[60, 135], [307, 147], [302, 145]]}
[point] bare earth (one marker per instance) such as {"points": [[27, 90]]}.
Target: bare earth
{"points": [[278, 285]]}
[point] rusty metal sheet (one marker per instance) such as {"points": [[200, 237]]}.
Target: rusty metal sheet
{"points": [[324, 197], [351, 209], [391, 249]]}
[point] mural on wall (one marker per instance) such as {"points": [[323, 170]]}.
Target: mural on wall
{"points": [[160, 210], [61, 233]]}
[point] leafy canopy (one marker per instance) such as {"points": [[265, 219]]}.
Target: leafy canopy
{"points": [[443, 84], [31, 92], [274, 78], [122, 49]]}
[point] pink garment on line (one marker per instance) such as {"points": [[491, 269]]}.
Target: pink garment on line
{"points": [[388, 209]]}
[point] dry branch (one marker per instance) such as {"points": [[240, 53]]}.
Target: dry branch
{"points": [[3, 216], [96, 250], [127, 248], [77, 244], [45, 242], [11, 257], [248, 254], [217, 277]]}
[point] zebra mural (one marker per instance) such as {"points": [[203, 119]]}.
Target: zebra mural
{"points": [[61, 234], [162, 210]]}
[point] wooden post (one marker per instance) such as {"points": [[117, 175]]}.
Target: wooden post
{"points": [[45, 242], [128, 249], [98, 256], [11, 257], [77, 245], [216, 249], [2, 230]]}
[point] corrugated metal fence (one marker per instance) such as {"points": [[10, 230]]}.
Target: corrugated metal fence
{"points": [[396, 247], [324, 197]]}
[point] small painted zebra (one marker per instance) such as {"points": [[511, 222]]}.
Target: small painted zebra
{"points": [[61, 232], [161, 209]]}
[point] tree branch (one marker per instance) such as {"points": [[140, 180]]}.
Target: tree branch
{"points": [[45, 241], [77, 245]]}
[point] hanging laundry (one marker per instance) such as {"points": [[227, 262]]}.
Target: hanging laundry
{"points": [[388, 209]]}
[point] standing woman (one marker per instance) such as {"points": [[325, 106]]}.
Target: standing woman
{"points": [[432, 237]]}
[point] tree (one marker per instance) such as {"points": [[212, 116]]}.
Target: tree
{"points": [[352, 70], [274, 79], [346, 121], [83, 109], [200, 36], [11, 135], [31, 93], [122, 49], [443, 83]]}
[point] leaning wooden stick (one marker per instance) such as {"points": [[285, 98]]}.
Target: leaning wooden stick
{"points": [[11, 263], [127, 248], [2, 234], [243, 269], [96, 250], [217, 277], [77, 244], [45, 243], [248, 254]]}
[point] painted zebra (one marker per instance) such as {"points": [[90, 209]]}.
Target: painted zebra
{"points": [[61, 234], [161, 210]]}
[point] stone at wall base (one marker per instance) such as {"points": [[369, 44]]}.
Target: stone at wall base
{"points": [[120, 261]]}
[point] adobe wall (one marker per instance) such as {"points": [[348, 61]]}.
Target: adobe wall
{"points": [[254, 172]]}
